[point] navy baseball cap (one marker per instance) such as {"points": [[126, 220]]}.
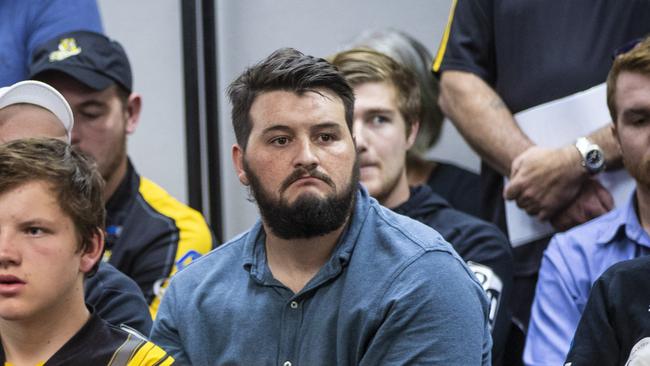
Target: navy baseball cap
{"points": [[91, 58]]}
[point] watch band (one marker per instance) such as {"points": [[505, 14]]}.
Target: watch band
{"points": [[592, 155]]}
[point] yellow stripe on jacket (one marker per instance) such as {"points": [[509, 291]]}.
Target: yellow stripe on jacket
{"points": [[194, 239]]}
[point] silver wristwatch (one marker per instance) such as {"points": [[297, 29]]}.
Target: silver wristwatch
{"points": [[593, 158]]}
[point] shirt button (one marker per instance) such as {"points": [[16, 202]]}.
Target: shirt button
{"points": [[294, 305], [286, 363]]}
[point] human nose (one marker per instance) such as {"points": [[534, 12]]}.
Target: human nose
{"points": [[306, 156], [8, 252], [359, 139]]}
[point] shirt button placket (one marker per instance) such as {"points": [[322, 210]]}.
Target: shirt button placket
{"points": [[291, 320]]}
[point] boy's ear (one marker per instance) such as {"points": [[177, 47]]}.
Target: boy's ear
{"points": [[92, 254], [410, 139]]}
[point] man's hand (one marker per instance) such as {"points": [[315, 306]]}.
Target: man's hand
{"points": [[592, 201], [543, 180]]}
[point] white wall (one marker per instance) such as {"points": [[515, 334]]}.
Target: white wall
{"points": [[249, 30], [150, 31]]}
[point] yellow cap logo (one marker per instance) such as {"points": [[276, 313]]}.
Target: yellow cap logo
{"points": [[67, 47]]}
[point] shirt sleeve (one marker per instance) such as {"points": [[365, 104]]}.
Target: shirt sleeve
{"points": [[117, 299], [165, 332], [555, 312], [431, 320], [468, 41], [595, 341], [51, 18]]}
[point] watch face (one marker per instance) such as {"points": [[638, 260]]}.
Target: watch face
{"points": [[594, 160]]}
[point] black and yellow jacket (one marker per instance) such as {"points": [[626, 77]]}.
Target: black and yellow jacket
{"points": [[98, 343], [150, 235]]}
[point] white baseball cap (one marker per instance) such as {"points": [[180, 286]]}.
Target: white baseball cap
{"points": [[40, 94]]}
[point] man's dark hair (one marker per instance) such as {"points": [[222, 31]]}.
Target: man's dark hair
{"points": [[71, 176], [289, 70]]}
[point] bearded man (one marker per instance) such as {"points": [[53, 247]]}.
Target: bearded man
{"points": [[327, 276]]}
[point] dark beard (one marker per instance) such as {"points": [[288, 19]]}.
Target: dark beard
{"points": [[308, 216]]}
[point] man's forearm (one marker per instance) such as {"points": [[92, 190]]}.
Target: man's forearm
{"points": [[482, 118]]}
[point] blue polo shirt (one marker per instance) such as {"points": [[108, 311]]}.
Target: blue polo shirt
{"points": [[392, 292], [571, 264]]}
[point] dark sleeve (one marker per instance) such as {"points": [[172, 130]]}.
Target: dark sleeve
{"points": [[595, 341], [117, 299], [488, 254], [459, 187], [468, 40]]}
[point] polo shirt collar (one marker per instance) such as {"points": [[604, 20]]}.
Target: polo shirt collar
{"points": [[255, 251]]}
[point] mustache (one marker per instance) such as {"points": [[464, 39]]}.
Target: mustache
{"points": [[302, 172]]}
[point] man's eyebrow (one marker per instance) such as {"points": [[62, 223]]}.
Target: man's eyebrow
{"points": [[276, 128], [37, 221], [379, 111], [326, 125], [316, 127]]}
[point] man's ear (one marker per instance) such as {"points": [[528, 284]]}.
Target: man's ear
{"points": [[410, 139], [238, 162], [133, 108], [93, 252]]}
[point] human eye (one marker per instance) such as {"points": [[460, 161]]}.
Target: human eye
{"points": [[35, 231], [637, 118], [90, 116], [91, 112], [326, 137], [379, 119], [639, 121], [279, 141]]}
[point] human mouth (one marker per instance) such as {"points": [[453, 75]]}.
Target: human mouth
{"points": [[367, 166], [307, 179], [300, 176], [10, 285]]}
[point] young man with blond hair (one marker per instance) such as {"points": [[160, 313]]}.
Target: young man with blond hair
{"points": [[386, 120]]}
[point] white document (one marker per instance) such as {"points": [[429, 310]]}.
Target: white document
{"points": [[555, 124]]}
